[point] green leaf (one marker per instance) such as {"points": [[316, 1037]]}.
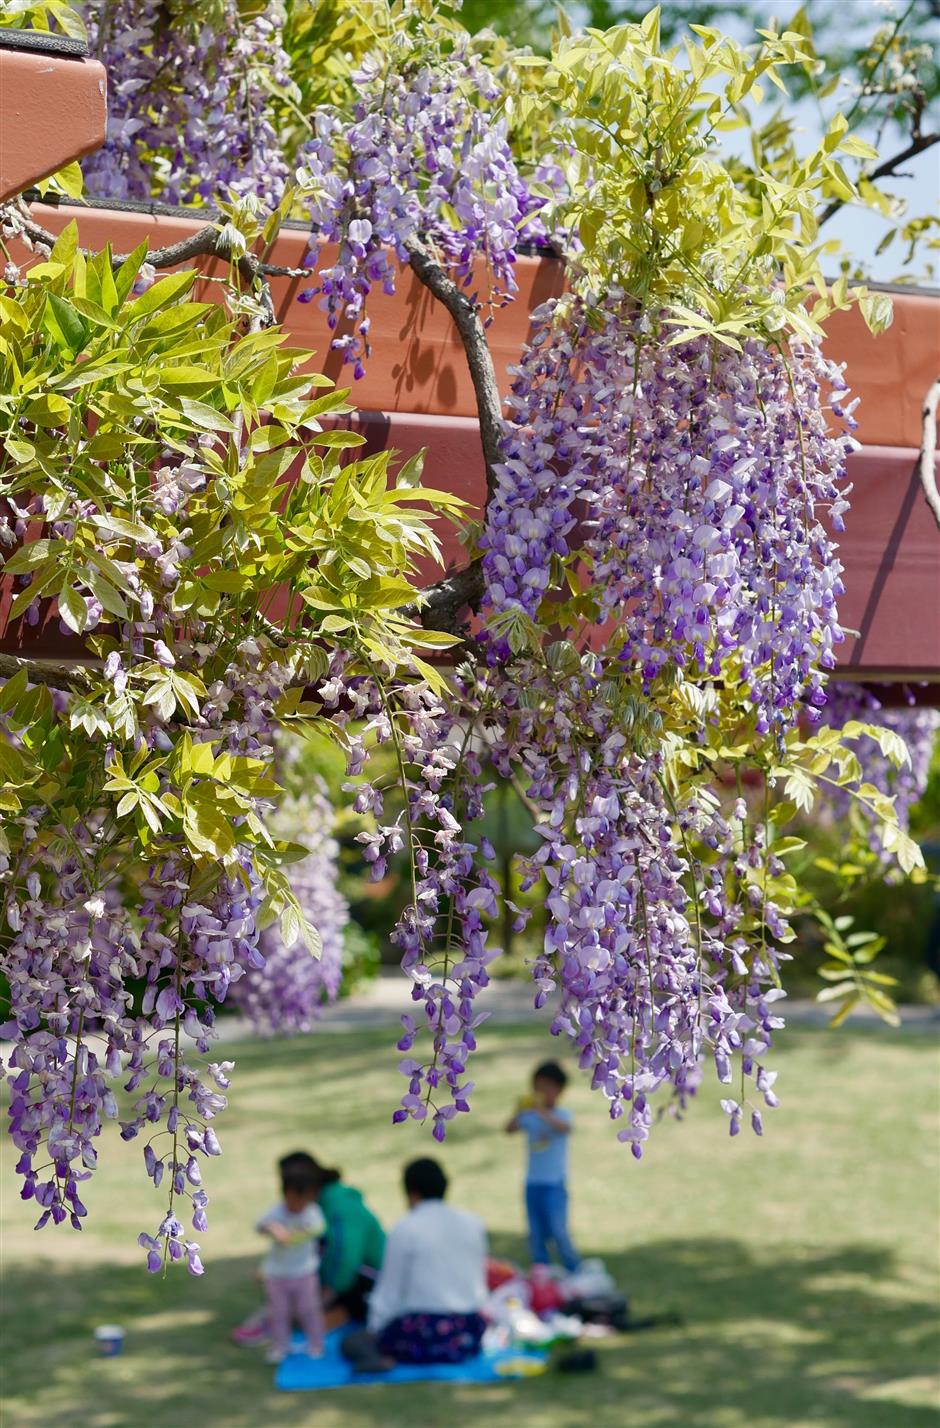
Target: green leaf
{"points": [[126, 275], [878, 311], [164, 292], [131, 530], [106, 594], [408, 476], [63, 323], [847, 1006], [66, 245], [47, 410], [205, 417], [29, 556], [69, 180], [72, 609], [12, 691], [268, 437], [837, 992], [202, 759], [856, 148], [338, 438], [188, 378]]}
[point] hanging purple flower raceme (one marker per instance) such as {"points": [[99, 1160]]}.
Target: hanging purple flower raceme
{"points": [[69, 1025], [424, 157], [688, 482], [188, 104], [918, 728], [644, 956], [442, 932], [287, 992]]}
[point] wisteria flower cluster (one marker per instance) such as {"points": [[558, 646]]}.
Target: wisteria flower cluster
{"points": [[650, 896], [424, 157], [687, 482], [189, 101], [916, 729], [442, 932], [286, 993]]}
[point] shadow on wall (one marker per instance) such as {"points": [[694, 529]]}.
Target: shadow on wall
{"points": [[827, 1338]]}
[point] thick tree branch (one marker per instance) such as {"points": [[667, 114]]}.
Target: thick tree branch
{"points": [[926, 458], [919, 143], [54, 673], [477, 350], [446, 599]]}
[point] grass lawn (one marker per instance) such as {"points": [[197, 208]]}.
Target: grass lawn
{"points": [[804, 1264]]}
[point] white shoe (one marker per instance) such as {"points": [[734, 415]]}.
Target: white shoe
{"points": [[313, 1353], [275, 1356]]}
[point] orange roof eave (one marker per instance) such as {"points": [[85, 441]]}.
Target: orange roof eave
{"points": [[53, 106]]}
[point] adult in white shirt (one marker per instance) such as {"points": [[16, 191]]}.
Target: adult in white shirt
{"points": [[425, 1307]]}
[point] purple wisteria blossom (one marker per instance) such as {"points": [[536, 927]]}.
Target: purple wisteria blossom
{"points": [[688, 481], [286, 993], [424, 158], [917, 727], [189, 116]]}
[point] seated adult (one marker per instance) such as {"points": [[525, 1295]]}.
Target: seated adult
{"points": [[353, 1248], [351, 1252], [425, 1307]]}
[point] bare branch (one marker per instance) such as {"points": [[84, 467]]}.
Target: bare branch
{"points": [[446, 600], [206, 242], [55, 673], [275, 270], [928, 450], [477, 350], [919, 143]]}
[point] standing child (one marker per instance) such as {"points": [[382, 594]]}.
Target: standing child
{"points": [[548, 1126], [291, 1265]]}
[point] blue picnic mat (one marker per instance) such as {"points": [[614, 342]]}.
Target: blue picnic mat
{"points": [[298, 1373]]}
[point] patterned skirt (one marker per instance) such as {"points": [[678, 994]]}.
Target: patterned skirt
{"points": [[432, 1338]]}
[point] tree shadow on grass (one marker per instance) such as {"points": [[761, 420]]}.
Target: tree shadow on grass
{"points": [[827, 1339]]}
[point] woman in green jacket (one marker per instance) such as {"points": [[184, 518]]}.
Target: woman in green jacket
{"points": [[352, 1248], [351, 1253]]}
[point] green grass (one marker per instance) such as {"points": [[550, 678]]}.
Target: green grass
{"points": [[804, 1264]]}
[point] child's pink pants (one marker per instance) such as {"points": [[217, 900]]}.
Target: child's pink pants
{"points": [[296, 1297]]}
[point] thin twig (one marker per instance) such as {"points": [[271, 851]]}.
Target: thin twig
{"points": [[207, 242], [918, 144], [926, 457]]}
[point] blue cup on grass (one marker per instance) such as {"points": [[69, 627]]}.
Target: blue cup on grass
{"points": [[110, 1340]]}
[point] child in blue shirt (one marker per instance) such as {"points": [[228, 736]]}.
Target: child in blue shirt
{"points": [[548, 1127]]}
